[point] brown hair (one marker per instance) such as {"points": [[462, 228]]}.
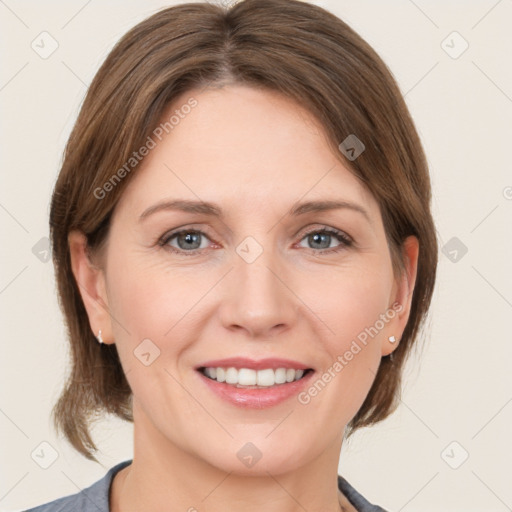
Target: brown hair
{"points": [[290, 46]]}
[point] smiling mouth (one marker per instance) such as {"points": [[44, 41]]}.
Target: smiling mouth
{"points": [[253, 379]]}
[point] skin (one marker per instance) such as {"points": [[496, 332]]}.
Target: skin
{"points": [[255, 154]]}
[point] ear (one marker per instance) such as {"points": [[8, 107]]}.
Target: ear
{"points": [[401, 296], [91, 283]]}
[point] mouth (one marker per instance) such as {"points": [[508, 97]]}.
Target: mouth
{"points": [[254, 383], [249, 378]]}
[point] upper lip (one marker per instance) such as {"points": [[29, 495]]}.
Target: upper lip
{"points": [[260, 364]]}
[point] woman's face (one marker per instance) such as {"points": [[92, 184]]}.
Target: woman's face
{"points": [[253, 275]]}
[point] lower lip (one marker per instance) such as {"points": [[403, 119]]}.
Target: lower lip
{"points": [[257, 398]]}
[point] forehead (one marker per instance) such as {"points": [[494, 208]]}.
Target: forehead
{"points": [[250, 147]]}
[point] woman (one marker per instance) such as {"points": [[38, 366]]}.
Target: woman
{"points": [[245, 255]]}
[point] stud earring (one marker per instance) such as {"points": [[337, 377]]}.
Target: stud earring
{"points": [[392, 339], [99, 338]]}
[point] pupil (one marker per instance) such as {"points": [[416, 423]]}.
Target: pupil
{"points": [[189, 238], [318, 236]]}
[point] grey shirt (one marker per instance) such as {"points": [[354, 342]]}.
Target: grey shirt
{"points": [[95, 498]]}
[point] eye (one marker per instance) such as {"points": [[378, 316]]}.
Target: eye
{"points": [[188, 241], [321, 239]]}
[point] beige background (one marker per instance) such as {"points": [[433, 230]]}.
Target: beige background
{"points": [[462, 389]]}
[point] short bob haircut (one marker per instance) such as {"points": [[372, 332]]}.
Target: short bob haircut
{"points": [[290, 46]]}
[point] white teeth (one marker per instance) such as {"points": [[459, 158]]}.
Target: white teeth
{"points": [[280, 376], [211, 372], [248, 377], [266, 377], [231, 376]]}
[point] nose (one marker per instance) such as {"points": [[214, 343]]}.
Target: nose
{"points": [[258, 298]]}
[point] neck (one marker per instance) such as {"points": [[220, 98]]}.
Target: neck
{"points": [[163, 473]]}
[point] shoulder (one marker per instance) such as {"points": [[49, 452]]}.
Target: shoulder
{"points": [[359, 501], [94, 498]]}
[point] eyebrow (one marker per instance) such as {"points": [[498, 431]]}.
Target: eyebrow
{"points": [[206, 208]]}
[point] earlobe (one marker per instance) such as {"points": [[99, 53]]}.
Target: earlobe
{"points": [[402, 300], [90, 280]]}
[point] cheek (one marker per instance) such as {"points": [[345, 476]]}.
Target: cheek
{"points": [[353, 309], [148, 303], [156, 301], [353, 301]]}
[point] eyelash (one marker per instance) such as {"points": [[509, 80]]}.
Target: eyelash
{"points": [[339, 235]]}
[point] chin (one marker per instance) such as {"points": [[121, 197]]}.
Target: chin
{"points": [[257, 458]]}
